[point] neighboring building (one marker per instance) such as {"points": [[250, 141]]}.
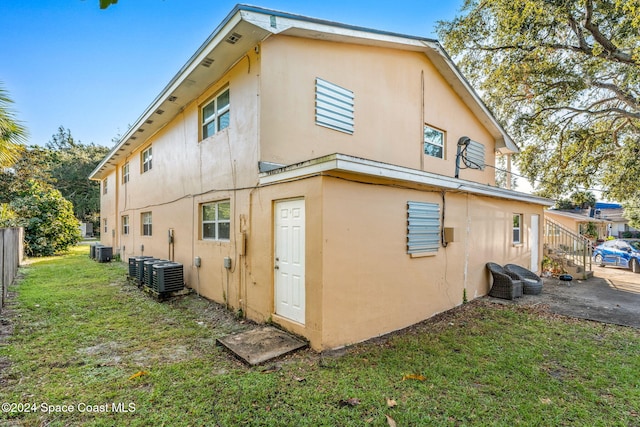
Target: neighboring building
{"points": [[594, 229], [317, 161], [614, 214]]}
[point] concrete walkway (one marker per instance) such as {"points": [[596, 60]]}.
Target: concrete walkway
{"points": [[611, 296]]}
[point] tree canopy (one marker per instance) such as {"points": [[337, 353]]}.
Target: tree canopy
{"points": [[563, 76], [12, 133], [64, 164]]}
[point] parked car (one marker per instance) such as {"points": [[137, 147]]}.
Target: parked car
{"points": [[619, 253]]}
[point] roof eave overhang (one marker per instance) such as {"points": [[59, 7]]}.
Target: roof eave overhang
{"points": [[205, 67], [255, 24], [349, 164]]}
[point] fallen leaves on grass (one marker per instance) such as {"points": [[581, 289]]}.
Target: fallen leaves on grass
{"points": [[413, 377], [138, 374], [390, 421], [391, 403]]}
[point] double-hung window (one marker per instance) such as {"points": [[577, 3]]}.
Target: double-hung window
{"points": [[517, 229], [125, 224], [215, 115], [125, 173], [216, 220], [433, 142], [147, 160], [147, 224]]}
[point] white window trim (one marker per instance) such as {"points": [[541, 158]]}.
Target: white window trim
{"points": [[518, 228], [215, 117], [125, 224], [216, 222], [146, 163], [145, 223], [125, 173], [431, 143]]}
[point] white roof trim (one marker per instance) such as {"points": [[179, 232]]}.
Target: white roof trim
{"points": [[345, 163]]}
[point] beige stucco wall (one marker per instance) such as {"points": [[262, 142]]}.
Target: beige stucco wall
{"points": [[187, 172], [396, 92], [371, 286], [360, 282]]}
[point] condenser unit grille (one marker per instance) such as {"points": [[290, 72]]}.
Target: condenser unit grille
{"points": [[147, 274], [104, 253], [167, 277], [93, 250], [133, 265]]}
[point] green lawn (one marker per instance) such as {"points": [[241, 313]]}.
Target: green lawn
{"points": [[81, 332]]}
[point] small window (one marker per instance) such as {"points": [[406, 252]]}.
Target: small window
{"points": [[423, 227], [104, 223], [215, 115], [147, 160], [517, 228], [433, 142], [216, 220], [104, 186], [125, 173], [125, 224], [147, 224]]}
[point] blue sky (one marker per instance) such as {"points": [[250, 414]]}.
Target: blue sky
{"points": [[68, 63]]}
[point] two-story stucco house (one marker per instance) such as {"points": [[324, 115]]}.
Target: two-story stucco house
{"points": [[336, 180]]}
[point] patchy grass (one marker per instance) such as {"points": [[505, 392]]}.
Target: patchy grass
{"points": [[81, 332]]}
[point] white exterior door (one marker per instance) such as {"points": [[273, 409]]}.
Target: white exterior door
{"points": [[289, 262], [535, 242]]}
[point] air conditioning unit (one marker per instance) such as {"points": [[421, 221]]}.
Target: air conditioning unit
{"points": [[147, 273], [133, 265], [139, 277], [93, 248], [167, 277], [104, 253]]}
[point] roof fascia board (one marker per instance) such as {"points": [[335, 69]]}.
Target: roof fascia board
{"points": [[289, 20], [345, 163]]}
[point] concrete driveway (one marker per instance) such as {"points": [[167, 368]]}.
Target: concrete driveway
{"points": [[611, 296]]}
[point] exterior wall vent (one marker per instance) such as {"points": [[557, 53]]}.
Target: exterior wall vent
{"points": [[233, 38], [206, 62], [173, 98], [140, 130], [149, 121], [159, 111], [334, 107], [475, 157]]}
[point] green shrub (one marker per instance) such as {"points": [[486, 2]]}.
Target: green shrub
{"points": [[47, 217]]}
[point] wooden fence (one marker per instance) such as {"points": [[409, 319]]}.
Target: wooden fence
{"points": [[11, 256]]}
